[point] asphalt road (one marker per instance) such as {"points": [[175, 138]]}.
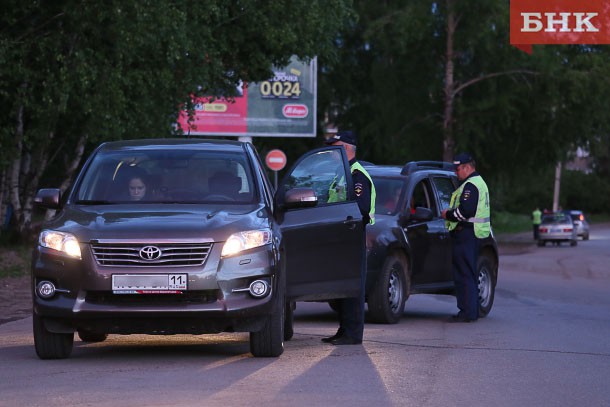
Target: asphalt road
{"points": [[546, 343]]}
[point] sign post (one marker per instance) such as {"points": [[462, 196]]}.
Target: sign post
{"points": [[276, 161]]}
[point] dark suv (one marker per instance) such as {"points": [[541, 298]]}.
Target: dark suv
{"points": [[409, 247], [175, 236]]}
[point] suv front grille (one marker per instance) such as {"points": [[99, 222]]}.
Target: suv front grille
{"points": [[171, 254]]}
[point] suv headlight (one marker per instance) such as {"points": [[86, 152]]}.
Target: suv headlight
{"points": [[60, 241], [241, 241]]}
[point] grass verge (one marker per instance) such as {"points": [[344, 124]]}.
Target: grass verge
{"points": [[506, 222], [14, 261]]}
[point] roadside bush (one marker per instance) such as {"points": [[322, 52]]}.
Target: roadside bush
{"points": [[521, 193], [506, 222]]}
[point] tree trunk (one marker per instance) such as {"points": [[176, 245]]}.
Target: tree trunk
{"points": [[4, 195], [448, 137], [25, 173], [453, 88], [22, 223], [556, 186]]}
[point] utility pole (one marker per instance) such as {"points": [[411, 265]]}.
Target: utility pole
{"points": [[556, 187]]}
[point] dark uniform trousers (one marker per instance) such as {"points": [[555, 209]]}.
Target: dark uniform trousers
{"points": [[351, 310], [465, 253]]}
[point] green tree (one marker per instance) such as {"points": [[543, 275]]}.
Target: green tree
{"points": [[423, 80], [75, 73]]}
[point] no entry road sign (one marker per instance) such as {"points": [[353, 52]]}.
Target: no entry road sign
{"points": [[275, 160]]}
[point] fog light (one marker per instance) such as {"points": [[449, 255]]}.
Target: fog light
{"points": [[259, 288], [45, 289]]}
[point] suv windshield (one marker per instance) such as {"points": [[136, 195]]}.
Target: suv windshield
{"points": [[166, 176]]}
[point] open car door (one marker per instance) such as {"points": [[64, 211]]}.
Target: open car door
{"points": [[321, 227]]}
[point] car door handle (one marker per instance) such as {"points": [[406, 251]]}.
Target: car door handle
{"points": [[351, 222]]}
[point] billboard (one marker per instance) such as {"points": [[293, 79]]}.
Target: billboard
{"points": [[281, 106]]}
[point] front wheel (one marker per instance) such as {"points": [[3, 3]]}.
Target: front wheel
{"points": [[386, 303], [51, 345], [269, 341], [487, 284]]}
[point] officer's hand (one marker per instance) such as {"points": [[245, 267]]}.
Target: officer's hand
{"points": [[444, 214]]}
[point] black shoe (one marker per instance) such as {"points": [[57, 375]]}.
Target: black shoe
{"points": [[345, 340], [332, 338], [460, 318]]}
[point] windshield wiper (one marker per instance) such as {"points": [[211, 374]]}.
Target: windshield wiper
{"points": [[93, 202]]}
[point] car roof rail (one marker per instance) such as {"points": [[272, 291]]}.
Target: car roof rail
{"points": [[414, 166]]}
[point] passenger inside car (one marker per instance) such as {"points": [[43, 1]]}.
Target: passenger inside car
{"points": [[137, 188]]}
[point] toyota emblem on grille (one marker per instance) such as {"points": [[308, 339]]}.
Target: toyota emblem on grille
{"points": [[150, 253]]}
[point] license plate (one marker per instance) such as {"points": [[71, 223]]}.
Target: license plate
{"points": [[148, 283], [555, 230]]}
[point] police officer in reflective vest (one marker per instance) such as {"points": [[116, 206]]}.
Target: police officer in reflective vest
{"points": [[468, 220], [536, 221], [351, 310]]}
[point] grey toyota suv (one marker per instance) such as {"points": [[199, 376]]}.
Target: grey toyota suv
{"points": [[188, 236]]}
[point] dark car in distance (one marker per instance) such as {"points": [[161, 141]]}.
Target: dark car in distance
{"points": [[580, 223], [409, 247], [188, 236]]}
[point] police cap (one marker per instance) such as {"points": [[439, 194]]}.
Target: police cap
{"points": [[346, 136], [462, 158]]}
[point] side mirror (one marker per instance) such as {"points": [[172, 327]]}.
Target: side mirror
{"points": [[300, 198], [48, 198], [421, 214]]}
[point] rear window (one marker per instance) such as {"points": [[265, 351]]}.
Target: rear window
{"points": [[555, 218], [157, 176]]}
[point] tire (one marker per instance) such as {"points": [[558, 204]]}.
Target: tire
{"points": [[585, 237], [289, 321], [269, 341], [87, 336], [486, 283], [51, 345], [573, 243], [386, 304]]}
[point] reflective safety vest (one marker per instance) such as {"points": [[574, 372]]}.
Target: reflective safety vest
{"points": [[537, 217], [337, 193], [481, 219]]}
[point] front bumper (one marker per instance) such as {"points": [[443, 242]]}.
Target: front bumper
{"points": [[212, 303]]}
